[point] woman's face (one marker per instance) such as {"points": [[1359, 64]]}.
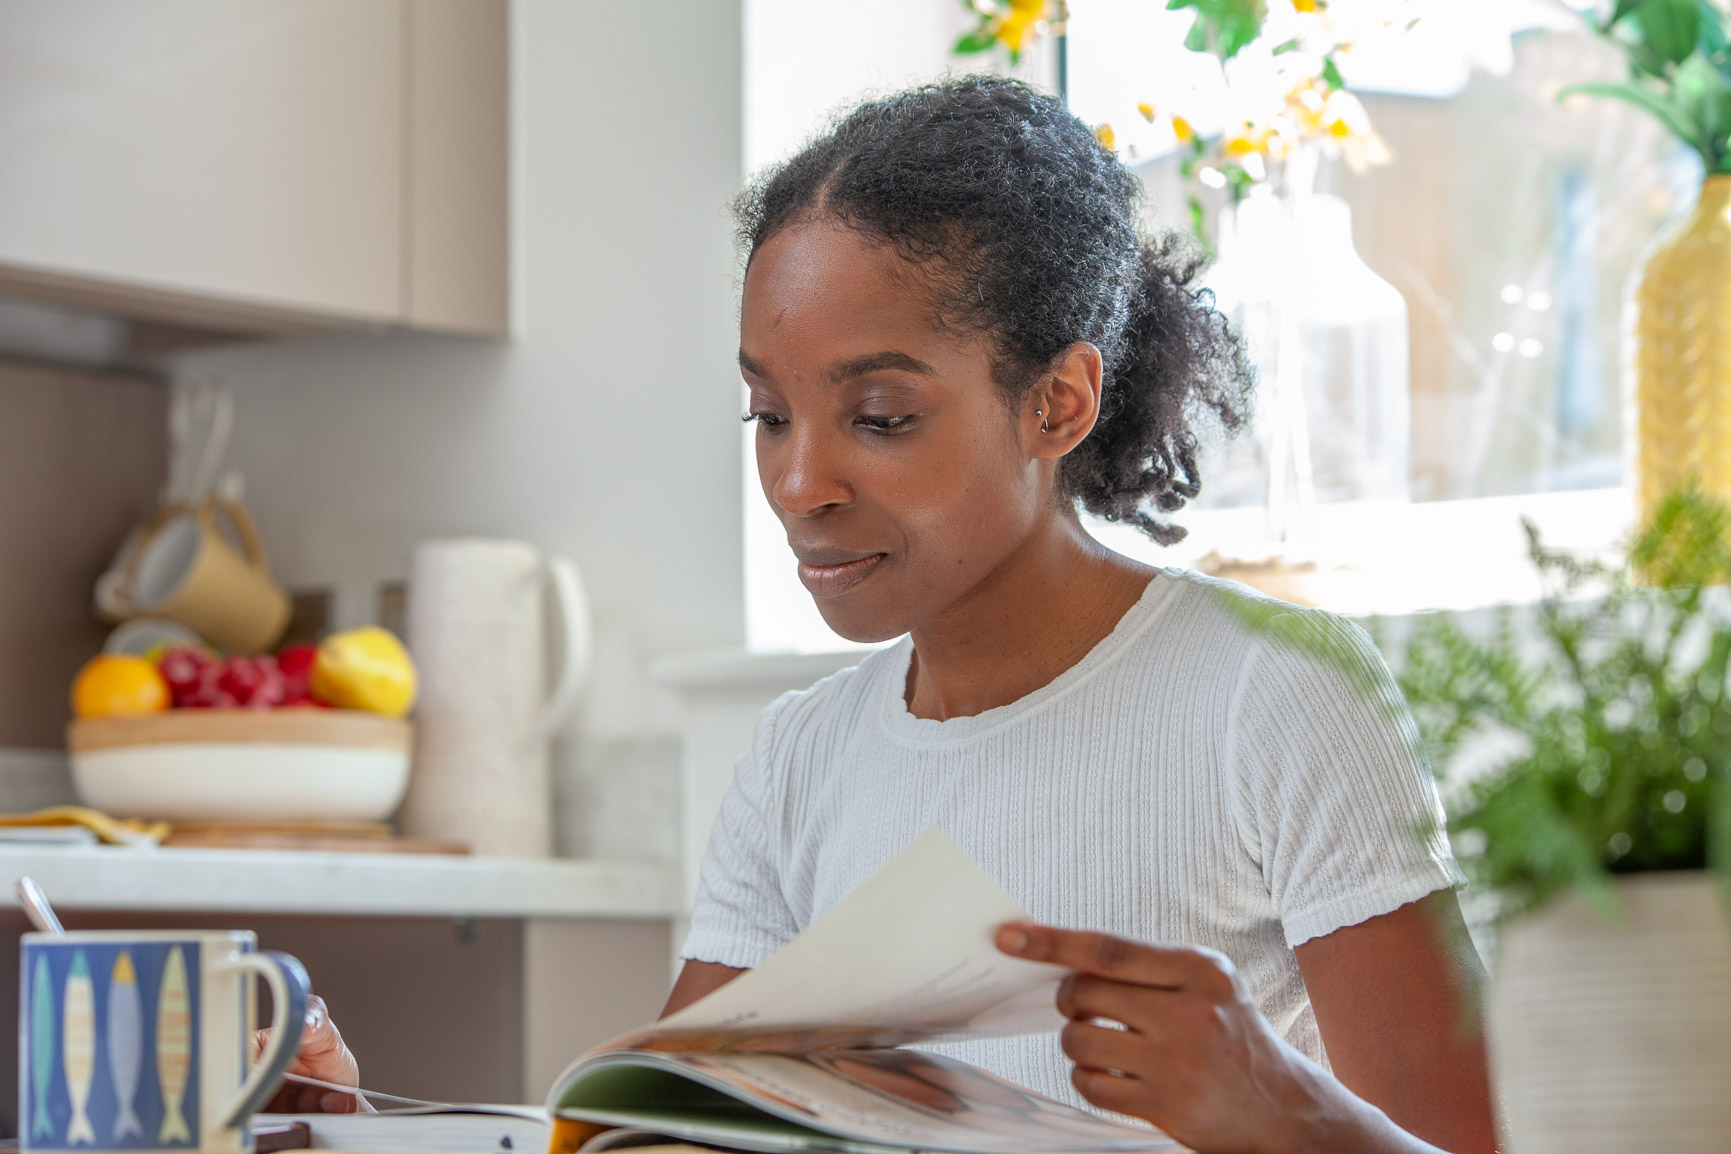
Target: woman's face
{"points": [[883, 444]]}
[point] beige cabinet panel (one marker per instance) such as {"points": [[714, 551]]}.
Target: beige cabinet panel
{"points": [[458, 164], [250, 151], [82, 456]]}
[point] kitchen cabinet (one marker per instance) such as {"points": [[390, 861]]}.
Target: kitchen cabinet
{"points": [[273, 166]]}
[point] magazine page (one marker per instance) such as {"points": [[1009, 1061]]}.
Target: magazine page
{"points": [[906, 957], [901, 1099]]}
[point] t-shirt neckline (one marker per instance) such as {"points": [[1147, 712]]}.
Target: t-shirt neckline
{"points": [[899, 720]]}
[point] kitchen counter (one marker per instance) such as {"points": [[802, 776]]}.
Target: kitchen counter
{"points": [[282, 882], [526, 962]]}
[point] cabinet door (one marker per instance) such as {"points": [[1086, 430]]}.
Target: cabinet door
{"points": [[238, 150]]}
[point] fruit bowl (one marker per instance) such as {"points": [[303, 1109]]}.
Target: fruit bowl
{"points": [[242, 765]]}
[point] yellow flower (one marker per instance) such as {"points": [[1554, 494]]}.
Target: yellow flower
{"points": [[1349, 130], [1246, 144], [1147, 111], [1014, 29], [1183, 130], [1107, 138], [1304, 5]]}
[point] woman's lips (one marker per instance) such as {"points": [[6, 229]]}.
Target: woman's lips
{"points": [[834, 580]]}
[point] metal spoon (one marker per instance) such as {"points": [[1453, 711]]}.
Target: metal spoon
{"points": [[36, 907]]}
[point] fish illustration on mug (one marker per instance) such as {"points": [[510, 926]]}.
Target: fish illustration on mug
{"points": [[173, 1047], [41, 1050], [125, 1045], [78, 1047]]}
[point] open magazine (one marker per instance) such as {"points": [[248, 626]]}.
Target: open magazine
{"points": [[802, 1053]]}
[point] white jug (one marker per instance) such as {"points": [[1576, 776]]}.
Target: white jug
{"points": [[489, 706]]}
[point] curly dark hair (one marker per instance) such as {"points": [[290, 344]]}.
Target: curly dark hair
{"points": [[1027, 230]]}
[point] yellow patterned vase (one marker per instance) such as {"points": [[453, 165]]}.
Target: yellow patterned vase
{"points": [[1682, 355]]}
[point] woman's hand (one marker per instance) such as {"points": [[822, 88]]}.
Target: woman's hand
{"points": [[1196, 1057], [323, 1056]]}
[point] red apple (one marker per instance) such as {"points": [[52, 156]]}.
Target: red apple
{"points": [[254, 682], [295, 663], [208, 693], [185, 670]]}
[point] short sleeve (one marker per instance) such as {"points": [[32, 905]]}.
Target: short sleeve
{"points": [[1334, 795], [740, 916]]}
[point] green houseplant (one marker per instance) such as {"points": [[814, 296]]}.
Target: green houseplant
{"points": [[1586, 760], [1615, 711]]}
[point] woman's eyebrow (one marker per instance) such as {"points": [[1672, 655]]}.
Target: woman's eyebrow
{"points": [[857, 367], [877, 362]]}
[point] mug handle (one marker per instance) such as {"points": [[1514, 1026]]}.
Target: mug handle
{"points": [[241, 518], [575, 630], [140, 544], [289, 990]]}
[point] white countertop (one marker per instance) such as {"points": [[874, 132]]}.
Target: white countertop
{"points": [[280, 882]]}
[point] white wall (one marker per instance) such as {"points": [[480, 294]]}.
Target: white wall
{"points": [[606, 430], [805, 60]]}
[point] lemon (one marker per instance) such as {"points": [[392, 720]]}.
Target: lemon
{"points": [[115, 683], [366, 669]]}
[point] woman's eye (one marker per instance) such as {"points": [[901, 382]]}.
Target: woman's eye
{"points": [[884, 424], [767, 420]]}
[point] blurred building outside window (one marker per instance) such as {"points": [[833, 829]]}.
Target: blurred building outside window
{"points": [[1508, 221]]}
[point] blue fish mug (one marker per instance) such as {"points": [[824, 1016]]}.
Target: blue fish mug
{"points": [[142, 1041]]}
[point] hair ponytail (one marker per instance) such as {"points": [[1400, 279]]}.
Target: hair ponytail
{"points": [[1178, 362]]}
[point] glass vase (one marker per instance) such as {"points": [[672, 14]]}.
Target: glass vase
{"points": [[1328, 338]]}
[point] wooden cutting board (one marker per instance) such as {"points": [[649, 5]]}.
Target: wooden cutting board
{"points": [[324, 836]]}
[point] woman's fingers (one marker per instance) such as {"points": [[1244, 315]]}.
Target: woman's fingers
{"points": [[322, 1055], [1083, 996], [1109, 956], [319, 1039], [1195, 1057], [1111, 1091], [1103, 1048]]}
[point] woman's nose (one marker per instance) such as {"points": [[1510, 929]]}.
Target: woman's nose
{"points": [[808, 478]]}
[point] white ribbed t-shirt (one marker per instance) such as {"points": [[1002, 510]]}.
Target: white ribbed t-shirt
{"points": [[1195, 779]]}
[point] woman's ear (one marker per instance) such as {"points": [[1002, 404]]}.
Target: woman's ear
{"points": [[1062, 409]]}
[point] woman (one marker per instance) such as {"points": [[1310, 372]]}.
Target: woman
{"points": [[954, 338]]}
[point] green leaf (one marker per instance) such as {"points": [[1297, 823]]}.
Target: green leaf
{"points": [[979, 40], [1283, 49], [1701, 92], [1647, 99], [1712, 38], [1199, 225], [1669, 27], [1331, 74], [1222, 26], [1643, 61], [1239, 180], [1238, 33]]}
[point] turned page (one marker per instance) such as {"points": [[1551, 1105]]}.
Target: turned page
{"points": [[907, 957]]}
